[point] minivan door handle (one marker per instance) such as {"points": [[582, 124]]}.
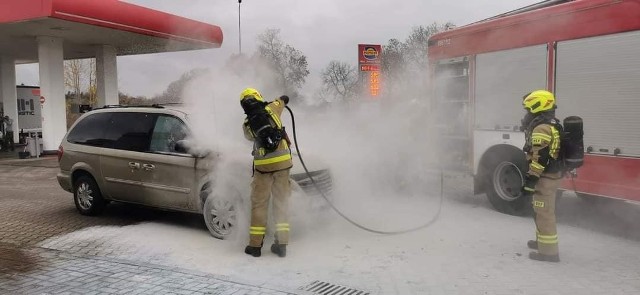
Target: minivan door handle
{"points": [[134, 165], [148, 167]]}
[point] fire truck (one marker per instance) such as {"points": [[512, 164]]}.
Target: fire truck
{"points": [[587, 52]]}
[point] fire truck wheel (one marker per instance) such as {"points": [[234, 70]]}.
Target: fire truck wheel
{"points": [[503, 186], [220, 215], [87, 196]]}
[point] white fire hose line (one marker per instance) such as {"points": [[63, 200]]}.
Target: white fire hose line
{"points": [[356, 224]]}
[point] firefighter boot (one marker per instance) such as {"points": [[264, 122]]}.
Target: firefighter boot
{"points": [[532, 244], [253, 251], [541, 257], [279, 249]]}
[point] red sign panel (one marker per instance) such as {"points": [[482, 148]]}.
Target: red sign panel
{"points": [[369, 57]]}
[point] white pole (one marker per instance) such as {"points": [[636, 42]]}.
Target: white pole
{"points": [[239, 30]]}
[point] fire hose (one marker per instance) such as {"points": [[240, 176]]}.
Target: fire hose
{"points": [[344, 216]]}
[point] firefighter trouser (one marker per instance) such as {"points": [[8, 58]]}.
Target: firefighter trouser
{"points": [[544, 205], [263, 186]]}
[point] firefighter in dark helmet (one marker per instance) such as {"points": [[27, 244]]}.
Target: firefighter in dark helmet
{"points": [[542, 147], [271, 173]]}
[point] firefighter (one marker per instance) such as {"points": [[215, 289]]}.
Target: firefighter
{"points": [[542, 147], [270, 181]]}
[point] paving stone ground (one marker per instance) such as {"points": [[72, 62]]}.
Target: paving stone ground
{"points": [[56, 272], [34, 208]]}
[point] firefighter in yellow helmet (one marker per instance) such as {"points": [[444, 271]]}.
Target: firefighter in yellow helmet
{"points": [[271, 162], [542, 147]]}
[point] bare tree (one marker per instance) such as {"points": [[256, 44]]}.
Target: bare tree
{"points": [[339, 80], [80, 83], [416, 44], [93, 85], [74, 71], [80, 80], [288, 63], [125, 99], [393, 59], [405, 64], [175, 89]]}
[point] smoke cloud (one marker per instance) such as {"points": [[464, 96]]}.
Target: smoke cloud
{"points": [[378, 151]]}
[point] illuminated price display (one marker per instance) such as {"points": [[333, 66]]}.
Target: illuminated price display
{"points": [[370, 68], [374, 83]]}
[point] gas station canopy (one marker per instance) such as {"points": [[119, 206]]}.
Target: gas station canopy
{"points": [[129, 28], [49, 31]]}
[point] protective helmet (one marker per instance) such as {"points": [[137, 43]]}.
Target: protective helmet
{"points": [[539, 101], [251, 92]]}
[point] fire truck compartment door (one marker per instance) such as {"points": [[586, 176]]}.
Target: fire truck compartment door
{"points": [[598, 79], [502, 78]]}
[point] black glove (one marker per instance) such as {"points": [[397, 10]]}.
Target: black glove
{"points": [[285, 99], [529, 186]]}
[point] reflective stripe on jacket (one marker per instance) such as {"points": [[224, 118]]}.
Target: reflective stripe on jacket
{"points": [[545, 149]]}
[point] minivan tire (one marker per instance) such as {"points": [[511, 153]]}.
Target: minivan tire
{"points": [[220, 215], [87, 196]]}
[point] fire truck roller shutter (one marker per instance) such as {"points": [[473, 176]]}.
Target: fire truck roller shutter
{"points": [[598, 79], [502, 77]]}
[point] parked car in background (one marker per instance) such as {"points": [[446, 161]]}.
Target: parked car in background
{"points": [[144, 155]]}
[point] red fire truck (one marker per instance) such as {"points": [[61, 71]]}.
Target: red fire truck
{"points": [[585, 51]]}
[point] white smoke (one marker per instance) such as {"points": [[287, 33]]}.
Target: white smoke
{"points": [[378, 151]]}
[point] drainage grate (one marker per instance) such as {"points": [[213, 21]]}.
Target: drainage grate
{"points": [[324, 288]]}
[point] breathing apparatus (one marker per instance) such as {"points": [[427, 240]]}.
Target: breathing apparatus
{"points": [[258, 116]]}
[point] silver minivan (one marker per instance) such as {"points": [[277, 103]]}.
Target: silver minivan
{"points": [[143, 155]]}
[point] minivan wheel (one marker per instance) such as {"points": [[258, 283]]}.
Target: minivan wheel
{"points": [[220, 216], [87, 196]]}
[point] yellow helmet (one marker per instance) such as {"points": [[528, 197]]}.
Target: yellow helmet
{"points": [[539, 101], [251, 92]]}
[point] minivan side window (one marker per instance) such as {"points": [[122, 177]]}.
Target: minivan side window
{"points": [[167, 132], [90, 130], [130, 131]]}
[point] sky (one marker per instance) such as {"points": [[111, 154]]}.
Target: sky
{"points": [[323, 30]]}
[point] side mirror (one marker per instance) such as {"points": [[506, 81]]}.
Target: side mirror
{"points": [[200, 153], [181, 146], [188, 147]]}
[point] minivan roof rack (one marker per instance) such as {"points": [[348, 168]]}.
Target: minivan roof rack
{"points": [[161, 104], [110, 106]]}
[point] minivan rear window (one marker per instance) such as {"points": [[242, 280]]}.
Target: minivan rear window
{"points": [[90, 130]]}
